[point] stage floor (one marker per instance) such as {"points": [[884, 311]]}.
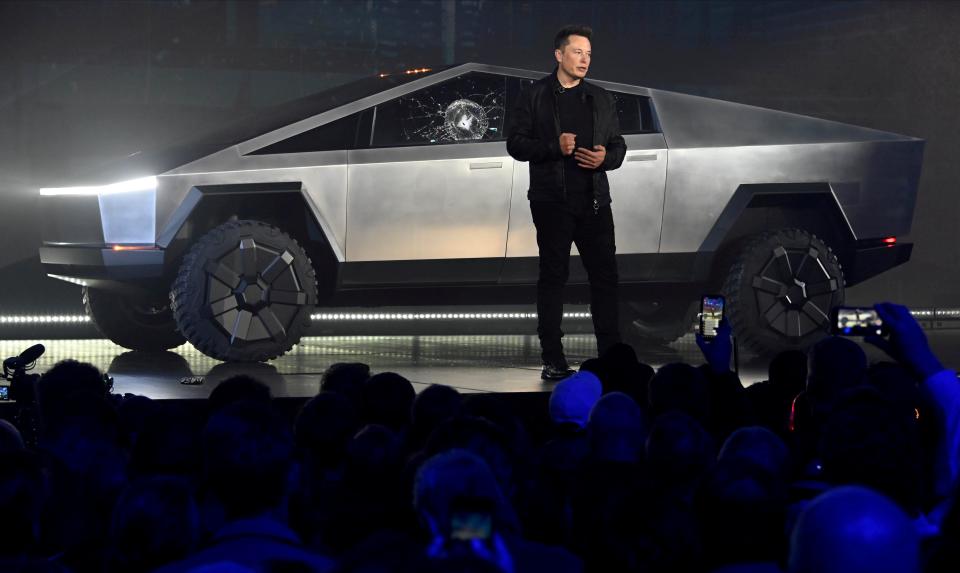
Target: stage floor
{"points": [[470, 363]]}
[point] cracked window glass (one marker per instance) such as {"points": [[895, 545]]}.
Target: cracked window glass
{"points": [[467, 108]]}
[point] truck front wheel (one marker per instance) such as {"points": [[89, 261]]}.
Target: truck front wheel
{"points": [[780, 291], [244, 292]]}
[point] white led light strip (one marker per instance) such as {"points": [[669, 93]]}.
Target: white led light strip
{"points": [[52, 319], [926, 314], [69, 319], [440, 316]]}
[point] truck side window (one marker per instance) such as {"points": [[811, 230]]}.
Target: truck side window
{"points": [[350, 132], [468, 108], [635, 113]]}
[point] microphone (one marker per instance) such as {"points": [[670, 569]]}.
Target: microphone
{"points": [[26, 357]]}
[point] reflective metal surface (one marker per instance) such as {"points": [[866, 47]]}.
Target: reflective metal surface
{"points": [[468, 200], [484, 363], [423, 207]]}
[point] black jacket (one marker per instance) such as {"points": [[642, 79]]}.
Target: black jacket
{"points": [[534, 135]]}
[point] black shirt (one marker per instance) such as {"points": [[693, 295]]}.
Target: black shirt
{"points": [[576, 116]]}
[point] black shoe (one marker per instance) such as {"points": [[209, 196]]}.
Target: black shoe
{"points": [[556, 371]]}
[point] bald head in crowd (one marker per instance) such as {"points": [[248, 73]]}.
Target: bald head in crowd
{"points": [[854, 530]]}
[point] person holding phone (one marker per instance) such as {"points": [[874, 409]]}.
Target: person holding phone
{"points": [[567, 128]]}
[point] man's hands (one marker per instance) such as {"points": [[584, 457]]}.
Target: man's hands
{"points": [[719, 350], [591, 159], [585, 158], [907, 344]]}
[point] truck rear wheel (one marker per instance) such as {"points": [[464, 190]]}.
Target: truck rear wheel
{"points": [[134, 323], [244, 292], [780, 290], [669, 321]]}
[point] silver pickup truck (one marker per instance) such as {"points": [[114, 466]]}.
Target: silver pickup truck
{"points": [[398, 189]]}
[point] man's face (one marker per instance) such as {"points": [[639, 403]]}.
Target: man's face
{"points": [[574, 58]]}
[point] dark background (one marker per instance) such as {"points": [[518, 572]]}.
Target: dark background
{"points": [[83, 83]]}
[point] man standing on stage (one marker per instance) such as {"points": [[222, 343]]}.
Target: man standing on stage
{"points": [[568, 130]]}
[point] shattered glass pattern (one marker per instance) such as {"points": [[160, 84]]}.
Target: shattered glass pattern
{"points": [[466, 108], [464, 119]]}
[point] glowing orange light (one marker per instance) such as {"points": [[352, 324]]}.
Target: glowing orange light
{"points": [[408, 72], [134, 247]]}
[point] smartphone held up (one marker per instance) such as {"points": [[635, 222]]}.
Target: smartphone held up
{"points": [[856, 321], [711, 313]]}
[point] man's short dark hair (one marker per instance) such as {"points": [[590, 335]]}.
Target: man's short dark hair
{"points": [[563, 36]]}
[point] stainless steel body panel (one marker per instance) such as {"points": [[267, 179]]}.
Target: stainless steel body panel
{"points": [[322, 174], [701, 181], [408, 204], [323, 178]]}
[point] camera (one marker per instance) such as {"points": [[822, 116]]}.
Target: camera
{"points": [[856, 321]]}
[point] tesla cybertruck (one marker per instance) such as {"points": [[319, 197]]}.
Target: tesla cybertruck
{"points": [[398, 189]]}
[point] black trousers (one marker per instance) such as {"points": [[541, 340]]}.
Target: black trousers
{"points": [[558, 226]]}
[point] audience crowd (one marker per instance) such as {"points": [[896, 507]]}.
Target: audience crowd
{"points": [[830, 465]]}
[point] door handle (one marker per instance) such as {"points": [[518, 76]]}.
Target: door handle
{"points": [[487, 165], [646, 157]]}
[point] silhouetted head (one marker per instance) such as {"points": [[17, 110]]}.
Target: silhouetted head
{"points": [[10, 438], [167, 445], [867, 440], [433, 405], [238, 388], [155, 521], [572, 399], [679, 451], [594, 365], [324, 426], [132, 413], [71, 388], [835, 364], [680, 387], [742, 508], [387, 400], [616, 429], [501, 414], [853, 530], [899, 386], [374, 451], [453, 477], [345, 378], [248, 458], [789, 368], [757, 446], [480, 437], [624, 373]]}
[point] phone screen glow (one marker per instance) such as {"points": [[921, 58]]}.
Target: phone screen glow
{"points": [[712, 313]]}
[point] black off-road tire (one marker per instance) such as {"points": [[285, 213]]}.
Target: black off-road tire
{"points": [[244, 292], [660, 327], [780, 291], [137, 324]]}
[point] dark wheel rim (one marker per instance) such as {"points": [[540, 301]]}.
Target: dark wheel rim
{"points": [[253, 292], [794, 291]]}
